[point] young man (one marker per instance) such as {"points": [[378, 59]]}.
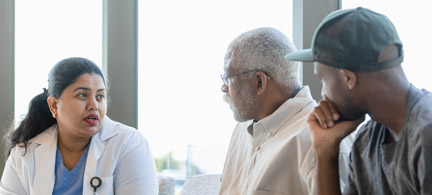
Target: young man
{"points": [[358, 55]]}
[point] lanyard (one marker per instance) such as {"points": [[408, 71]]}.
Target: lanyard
{"points": [[95, 182]]}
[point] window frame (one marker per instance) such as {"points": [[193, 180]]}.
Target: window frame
{"points": [[120, 60]]}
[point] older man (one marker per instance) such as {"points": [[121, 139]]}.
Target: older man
{"points": [[271, 150], [358, 56]]}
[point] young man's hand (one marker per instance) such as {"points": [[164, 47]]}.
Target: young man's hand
{"points": [[327, 130]]}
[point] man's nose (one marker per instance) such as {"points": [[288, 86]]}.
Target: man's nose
{"points": [[224, 88]]}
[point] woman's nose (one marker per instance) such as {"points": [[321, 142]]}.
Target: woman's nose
{"points": [[92, 104]]}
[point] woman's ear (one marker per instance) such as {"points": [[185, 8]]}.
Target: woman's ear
{"points": [[349, 78], [52, 103], [262, 82]]}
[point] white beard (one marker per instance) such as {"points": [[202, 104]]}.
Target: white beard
{"points": [[245, 108]]}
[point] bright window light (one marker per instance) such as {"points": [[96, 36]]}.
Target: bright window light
{"points": [[47, 31], [182, 45]]}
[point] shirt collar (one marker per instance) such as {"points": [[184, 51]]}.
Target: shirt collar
{"points": [[267, 127]]}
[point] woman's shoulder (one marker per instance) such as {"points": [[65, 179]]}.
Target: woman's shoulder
{"points": [[21, 149], [45, 135], [118, 131]]}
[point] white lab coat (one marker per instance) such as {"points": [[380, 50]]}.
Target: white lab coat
{"points": [[118, 154]]}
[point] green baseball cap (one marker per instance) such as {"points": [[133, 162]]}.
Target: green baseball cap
{"points": [[352, 39]]}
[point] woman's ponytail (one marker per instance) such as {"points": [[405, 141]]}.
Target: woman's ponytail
{"points": [[36, 121]]}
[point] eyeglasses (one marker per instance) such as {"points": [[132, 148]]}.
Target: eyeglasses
{"points": [[225, 77]]}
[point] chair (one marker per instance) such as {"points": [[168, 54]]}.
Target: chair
{"points": [[207, 184], [166, 185]]}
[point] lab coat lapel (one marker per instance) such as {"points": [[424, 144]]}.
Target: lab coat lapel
{"points": [[96, 149], [45, 153]]}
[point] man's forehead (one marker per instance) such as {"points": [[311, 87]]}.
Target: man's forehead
{"points": [[321, 69], [230, 68], [232, 59], [229, 63], [316, 68]]}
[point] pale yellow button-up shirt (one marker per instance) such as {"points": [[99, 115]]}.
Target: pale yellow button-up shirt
{"points": [[275, 155]]}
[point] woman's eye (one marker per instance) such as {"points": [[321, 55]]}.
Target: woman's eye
{"points": [[83, 95], [100, 96]]}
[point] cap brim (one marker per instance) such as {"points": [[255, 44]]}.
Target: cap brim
{"points": [[301, 55]]}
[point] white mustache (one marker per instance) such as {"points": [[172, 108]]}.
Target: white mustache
{"points": [[226, 99]]}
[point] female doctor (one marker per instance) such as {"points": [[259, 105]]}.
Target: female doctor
{"points": [[67, 145]]}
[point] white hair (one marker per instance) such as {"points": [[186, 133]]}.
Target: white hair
{"points": [[264, 49]]}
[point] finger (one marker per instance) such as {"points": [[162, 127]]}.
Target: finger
{"points": [[326, 113], [332, 108], [315, 127], [318, 116]]}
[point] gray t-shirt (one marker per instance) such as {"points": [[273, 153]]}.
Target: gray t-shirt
{"points": [[380, 166]]}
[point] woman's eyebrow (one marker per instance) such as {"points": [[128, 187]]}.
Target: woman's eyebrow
{"points": [[87, 89], [81, 88]]}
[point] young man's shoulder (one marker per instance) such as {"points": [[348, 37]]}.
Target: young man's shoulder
{"points": [[367, 132], [419, 121]]}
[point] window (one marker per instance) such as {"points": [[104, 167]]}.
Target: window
{"points": [[411, 20], [46, 32], [182, 45]]}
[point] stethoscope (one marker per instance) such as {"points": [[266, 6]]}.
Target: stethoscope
{"points": [[95, 182]]}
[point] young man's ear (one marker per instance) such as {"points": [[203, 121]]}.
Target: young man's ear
{"points": [[349, 78], [262, 82]]}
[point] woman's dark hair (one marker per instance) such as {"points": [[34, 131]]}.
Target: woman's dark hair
{"points": [[39, 116]]}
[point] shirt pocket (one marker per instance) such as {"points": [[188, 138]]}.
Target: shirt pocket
{"points": [[106, 187]]}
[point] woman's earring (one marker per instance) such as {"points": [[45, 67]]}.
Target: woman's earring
{"points": [[54, 115]]}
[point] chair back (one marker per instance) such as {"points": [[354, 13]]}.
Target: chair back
{"points": [[208, 184], [166, 185]]}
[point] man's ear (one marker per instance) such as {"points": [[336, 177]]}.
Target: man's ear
{"points": [[261, 82], [349, 78], [52, 103]]}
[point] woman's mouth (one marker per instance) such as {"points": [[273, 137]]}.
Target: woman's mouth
{"points": [[92, 119]]}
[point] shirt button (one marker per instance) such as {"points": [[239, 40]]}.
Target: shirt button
{"points": [[257, 148], [269, 134]]}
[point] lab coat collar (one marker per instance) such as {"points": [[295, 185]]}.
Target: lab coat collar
{"points": [[97, 146], [46, 136], [45, 152], [107, 130]]}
